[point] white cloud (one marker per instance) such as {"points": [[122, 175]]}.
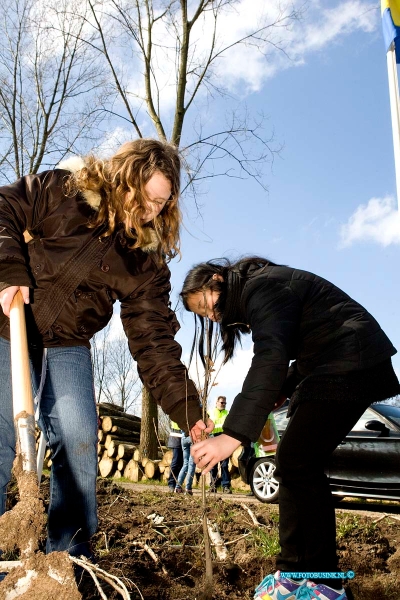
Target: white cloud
{"points": [[377, 221], [331, 24], [113, 140], [244, 68]]}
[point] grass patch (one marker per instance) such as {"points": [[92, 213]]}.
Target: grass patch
{"points": [[151, 497], [347, 525], [266, 541], [226, 517], [156, 482], [274, 516]]}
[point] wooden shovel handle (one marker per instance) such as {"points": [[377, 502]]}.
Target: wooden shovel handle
{"points": [[20, 369]]}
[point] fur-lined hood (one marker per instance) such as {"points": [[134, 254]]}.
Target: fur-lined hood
{"points": [[75, 164]]}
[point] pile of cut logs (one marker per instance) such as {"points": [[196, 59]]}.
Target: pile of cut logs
{"points": [[119, 455], [118, 449]]}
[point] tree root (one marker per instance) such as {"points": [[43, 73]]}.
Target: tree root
{"points": [[153, 555], [97, 573], [252, 515], [30, 576]]}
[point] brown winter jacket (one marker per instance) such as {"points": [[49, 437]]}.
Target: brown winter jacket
{"points": [[58, 226]]}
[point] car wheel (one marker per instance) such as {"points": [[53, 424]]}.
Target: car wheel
{"points": [[262, 482]]}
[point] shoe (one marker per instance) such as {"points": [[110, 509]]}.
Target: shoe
{"points": [[213, 489], [189, 492], [275, 587], [171, 489], [227, 490], [324, 592], [178, 490]]}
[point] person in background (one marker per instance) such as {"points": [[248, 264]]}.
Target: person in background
{"points": [[175, 444], [218, 415], [341, 364], [188, 468]]}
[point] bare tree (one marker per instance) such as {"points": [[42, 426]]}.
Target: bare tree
{"points": [[123, 382], [55, 55], [50, 85], [174, 49], [115, 374], [100, 346]]}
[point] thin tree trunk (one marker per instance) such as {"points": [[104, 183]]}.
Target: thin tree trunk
{"points": [[149, 428]]}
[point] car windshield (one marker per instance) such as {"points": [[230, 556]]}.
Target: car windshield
{"points": [[393, 412], [281, 419], [378, 413], [369, 415]]}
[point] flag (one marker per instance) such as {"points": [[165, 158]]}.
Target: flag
{"points": [[390, 10]]}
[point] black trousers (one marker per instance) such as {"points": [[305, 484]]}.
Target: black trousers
{"points": [[307, 527]]}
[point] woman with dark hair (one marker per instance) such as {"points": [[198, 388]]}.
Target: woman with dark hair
{"points": [[73, 241], [341, 363]]}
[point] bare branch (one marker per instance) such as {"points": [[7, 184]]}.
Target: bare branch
{"points": [[147, 76], [115, 373], [113, 71], [48, 78]]}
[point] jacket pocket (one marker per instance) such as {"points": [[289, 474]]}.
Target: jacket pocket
{"points": [[94, 310]]}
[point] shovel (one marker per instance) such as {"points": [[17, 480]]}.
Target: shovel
{"points": [[21, 527], [24, 414]]}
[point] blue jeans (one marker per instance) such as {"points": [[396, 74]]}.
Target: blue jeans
{"points": [[225, 478], [189, 466], [68, 419], [176, 465]]}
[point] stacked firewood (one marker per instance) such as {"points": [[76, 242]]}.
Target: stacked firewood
{"points": [[118, 448], [118, 439], [119, 454], [142, 468]]}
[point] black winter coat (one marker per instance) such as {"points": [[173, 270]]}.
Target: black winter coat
{"points": [[58, 226], [296, 315]]}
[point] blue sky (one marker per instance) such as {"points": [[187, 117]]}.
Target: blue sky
{"points": [[331, 205]]}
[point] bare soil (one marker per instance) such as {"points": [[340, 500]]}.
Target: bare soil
{"points": [[21, 526], [131, 522]]}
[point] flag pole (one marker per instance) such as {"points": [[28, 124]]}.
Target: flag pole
{"points": [[395, 113]]}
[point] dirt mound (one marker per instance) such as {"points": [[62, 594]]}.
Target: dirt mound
{"points": [[22, 525], [42, 576], [154, 542], [130, 523]]}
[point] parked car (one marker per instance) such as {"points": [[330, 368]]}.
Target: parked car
{"points": [[366, 464]]}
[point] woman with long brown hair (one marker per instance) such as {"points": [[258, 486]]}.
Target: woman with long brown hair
{"points": [[74, 240]]}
